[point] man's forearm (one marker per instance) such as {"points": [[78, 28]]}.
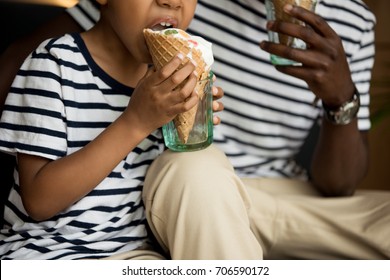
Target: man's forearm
{"points": [[340, 160]]}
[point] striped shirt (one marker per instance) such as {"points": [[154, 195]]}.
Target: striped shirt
{"points": [[268, 115], [60, 101]]}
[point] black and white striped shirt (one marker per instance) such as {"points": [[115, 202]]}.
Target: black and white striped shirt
{"points": [[61, 100], [268, 115]]}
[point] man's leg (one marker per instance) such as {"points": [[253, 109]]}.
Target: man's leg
{"points": [[197, 214], [198, 208], [145, 253], [308, 226]]}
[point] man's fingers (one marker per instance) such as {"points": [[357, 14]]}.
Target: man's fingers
{"points": [[315, 21]]}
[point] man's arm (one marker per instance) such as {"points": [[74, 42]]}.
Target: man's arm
{"points": [[340, 160], [12, 58]]}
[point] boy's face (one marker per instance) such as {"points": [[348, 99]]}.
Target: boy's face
{"points": [[128, 18]]}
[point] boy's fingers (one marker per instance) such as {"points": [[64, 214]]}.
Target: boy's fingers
{"points": [[217, 106], [189, 86], [182, 92], [217, 93], [170, 80], [167, 70], [186, 105]]}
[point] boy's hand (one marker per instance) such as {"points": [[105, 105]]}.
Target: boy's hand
{"points": [[157, 99], [324, 65], [217, 105]]}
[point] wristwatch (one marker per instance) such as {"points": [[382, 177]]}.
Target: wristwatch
{"points": [[345, 113]]}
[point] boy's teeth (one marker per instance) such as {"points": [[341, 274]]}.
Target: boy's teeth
{"points": [[161, 26], [165, 24]]}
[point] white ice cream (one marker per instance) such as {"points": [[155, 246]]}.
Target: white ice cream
{"points": [[195, 42]]}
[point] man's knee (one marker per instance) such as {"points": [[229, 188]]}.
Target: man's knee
{"points": [[210, 157], [191, 174]]}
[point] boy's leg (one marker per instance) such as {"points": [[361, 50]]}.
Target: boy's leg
{"points": [[198, 208], [309, 226]]}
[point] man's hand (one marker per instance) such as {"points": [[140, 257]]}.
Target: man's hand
{"points": [[324, 64]]}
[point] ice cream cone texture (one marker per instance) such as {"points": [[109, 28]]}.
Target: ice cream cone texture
{"points": [[282, 16], [163, 47]]}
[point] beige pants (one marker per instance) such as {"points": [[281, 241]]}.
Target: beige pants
{"points": [[199, 209], [139, 254]]}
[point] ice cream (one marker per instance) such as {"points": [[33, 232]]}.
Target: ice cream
{"points": [[163, 46], [282, 16]]}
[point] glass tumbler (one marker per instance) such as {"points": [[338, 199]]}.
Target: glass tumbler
{"points": [[275, 12], [201, 133]]}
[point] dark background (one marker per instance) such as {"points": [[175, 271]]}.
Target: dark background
{"points": [[17, 20]]}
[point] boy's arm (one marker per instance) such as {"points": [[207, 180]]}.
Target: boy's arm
{"points": [[12, 58], [48, 187]]}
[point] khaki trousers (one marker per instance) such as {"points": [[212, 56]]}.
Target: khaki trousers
{"points": [[139, 254], [198, 208]]}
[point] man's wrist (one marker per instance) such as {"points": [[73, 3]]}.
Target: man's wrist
{"points": [[344, 114]]}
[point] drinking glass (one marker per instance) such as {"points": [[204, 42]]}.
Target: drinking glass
{"points": [[201, 134]]}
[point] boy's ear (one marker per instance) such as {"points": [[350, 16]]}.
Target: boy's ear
{"points": [[102, 2]]}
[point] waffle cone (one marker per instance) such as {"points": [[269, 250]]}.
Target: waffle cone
{"points": [[307, 4], [184, 122], [163, 48], [282, 16]]}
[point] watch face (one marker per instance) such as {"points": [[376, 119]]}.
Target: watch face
{"points": [[346, 118], [346, 113]]}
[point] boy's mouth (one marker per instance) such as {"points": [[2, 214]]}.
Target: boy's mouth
{"points": [[164, 23], [161, 26]]}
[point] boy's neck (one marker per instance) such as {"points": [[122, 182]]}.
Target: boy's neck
{"points": [[113, 57]]}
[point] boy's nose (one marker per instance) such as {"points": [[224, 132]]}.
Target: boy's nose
{"points": [[173, 4]]}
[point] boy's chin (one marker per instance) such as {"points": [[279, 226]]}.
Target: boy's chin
{"points": [[147, 59]]}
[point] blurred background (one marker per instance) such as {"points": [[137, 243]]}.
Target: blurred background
{"points": [[60, 3], [19, 17], [379, 174]]}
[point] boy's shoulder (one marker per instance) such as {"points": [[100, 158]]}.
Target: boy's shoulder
{"points": [[64, 42], [59, 52]]}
